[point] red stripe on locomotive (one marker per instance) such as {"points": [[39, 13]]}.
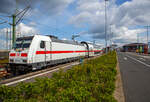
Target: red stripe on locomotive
{"points": [[59, 52]]}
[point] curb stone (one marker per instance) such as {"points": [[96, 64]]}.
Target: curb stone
{"points": [[119, 93]]}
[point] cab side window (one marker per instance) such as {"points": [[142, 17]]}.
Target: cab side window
{"points": [[42, 44]]}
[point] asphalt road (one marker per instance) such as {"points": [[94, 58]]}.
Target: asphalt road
{"points": [[135, 72]]}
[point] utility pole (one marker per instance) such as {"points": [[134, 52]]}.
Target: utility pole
{"points": [[75, 36], [14, 25], [14, 29], [106, 27], [137, 38], [93, 42], [110, 35], [10, 39], [15, 22], [16, 18], [137, 41], [147, 34], [147, 27], [7, 39]]}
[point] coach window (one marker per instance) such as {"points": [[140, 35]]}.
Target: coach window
{"points": [[42, 44]]}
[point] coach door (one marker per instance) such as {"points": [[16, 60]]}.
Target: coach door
{"points": [[47, 51]]}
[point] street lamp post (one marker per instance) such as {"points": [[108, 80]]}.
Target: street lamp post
{"points": [[147, 27], [147, 34], [111, 35], [106, 27], [138, 42]]}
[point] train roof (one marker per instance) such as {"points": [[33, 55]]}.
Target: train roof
{"points": [[134, 44], [65, 41], [53, 38], [25, 38], [56, 39]]}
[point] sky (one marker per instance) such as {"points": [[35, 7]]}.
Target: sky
{"points": [[63, 18]]}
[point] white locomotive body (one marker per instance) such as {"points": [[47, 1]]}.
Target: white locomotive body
{"points": [[36, 52]]}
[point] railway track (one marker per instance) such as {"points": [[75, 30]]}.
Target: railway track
{"points": [[14, 80], [30, 76]]}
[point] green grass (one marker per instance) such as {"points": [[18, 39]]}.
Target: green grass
{"points": [[92, 81]]}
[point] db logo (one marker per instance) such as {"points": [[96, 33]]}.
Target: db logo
{"points": [[18, 54]]}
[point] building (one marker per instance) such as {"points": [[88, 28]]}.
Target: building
{"points": [[136, 47]]}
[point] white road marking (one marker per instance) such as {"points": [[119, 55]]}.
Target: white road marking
{"points": [[139, 61], [143, 59], [125, 58], [144, 56], [27, 78]]}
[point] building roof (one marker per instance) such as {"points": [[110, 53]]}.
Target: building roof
{"points": [[135, 44]]}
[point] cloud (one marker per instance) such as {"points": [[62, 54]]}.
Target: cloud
{"points": [[26, 30], [49, 7], [3, 44], [32, 23], [133, 13], [126, 35], [87, 14], [81, 19], [91, 6], [21, 30], [6, 5], [121, 17], [55, 6], [4, 38]]}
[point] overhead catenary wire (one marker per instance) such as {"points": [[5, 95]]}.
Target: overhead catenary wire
{"points": [[106, 25], [7, 39], [45, 25], [24, 11], [29, 3]]}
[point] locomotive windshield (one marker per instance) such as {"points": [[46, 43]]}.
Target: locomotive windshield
{"points": [[23, 42]]}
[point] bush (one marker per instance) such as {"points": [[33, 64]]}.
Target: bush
{"points": [[92, 81]]}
